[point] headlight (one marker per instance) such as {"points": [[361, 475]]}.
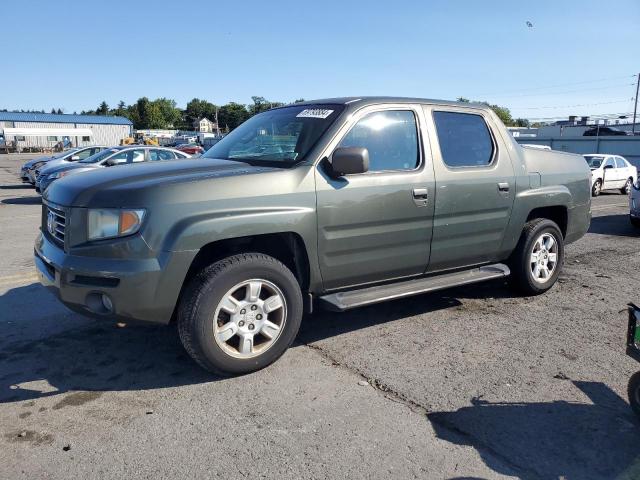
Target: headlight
{"points": [[111, 223], [64, 173]]}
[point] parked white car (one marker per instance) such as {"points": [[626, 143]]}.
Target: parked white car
{"points": [[610, 172]]}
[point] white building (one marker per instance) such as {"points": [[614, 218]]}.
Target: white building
{"points": [[204, 125], [46, 130]]}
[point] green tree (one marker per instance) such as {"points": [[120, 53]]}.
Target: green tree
{"points": [[260, 104], [521, 122], [103, 109], [169, 114], [231, 115], [197, 109], [502, 112], [120, 110]]}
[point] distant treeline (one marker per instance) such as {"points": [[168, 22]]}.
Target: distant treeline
{"points": [[162, 113]]}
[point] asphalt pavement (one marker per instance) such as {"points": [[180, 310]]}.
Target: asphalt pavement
{"points": [[474, 382]]}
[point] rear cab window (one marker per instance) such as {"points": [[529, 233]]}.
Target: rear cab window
{"points": [[465, 139]]}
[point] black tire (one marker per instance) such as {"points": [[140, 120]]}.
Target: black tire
{"points": [[597, 188], [633, 391], [520, 264], [635, 221], [202, 296], [626, 190]]}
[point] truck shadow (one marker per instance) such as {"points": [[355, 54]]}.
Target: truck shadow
{"points": [[23, 200], [550, 439], [618, 225], [328, 324], [88, 356], [23, 186], [38, 358]]}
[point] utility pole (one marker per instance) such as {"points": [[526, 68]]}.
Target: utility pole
{"points": [[635, 108]]}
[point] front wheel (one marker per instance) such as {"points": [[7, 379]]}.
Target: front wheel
{"points": [[240, 314], [537, 261]]}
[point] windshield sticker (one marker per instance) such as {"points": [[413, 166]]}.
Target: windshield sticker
{"points": [[315, 113]]}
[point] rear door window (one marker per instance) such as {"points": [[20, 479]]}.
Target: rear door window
{"points": [[135, 156], [620, 163], [158, 155], [464, 138]]}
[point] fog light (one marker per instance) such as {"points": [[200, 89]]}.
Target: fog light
{"points": [[106, 302]]}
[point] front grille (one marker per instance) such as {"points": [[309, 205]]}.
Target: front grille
{"points": [[55, 223]]}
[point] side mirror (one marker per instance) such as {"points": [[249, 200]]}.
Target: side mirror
{"points": [[75, 158], [350, 160]]}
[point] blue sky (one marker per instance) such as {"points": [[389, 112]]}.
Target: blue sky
{"points": [[579, 56]]}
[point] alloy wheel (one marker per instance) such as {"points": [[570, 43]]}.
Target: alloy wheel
{"points": [[250, 318], [544, 258]]}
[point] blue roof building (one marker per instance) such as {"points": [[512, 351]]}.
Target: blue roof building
{"points": [[48, 130]]}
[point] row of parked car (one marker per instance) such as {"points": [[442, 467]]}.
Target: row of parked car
{"points": [[42, 171]]}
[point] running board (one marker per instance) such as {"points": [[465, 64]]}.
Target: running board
{"points": [[341, 301]]}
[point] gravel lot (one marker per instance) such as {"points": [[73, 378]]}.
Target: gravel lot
{"points": [[468, 383]]}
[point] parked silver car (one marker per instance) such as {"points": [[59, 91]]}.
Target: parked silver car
{"points": [[108, 158], [28, 172]]}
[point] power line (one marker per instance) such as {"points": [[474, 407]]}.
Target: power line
{"points": [[566, 91], [554, 86], [603, 116], [569, 106]]}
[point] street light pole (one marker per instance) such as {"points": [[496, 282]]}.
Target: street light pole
{"points": [[635, 108]]}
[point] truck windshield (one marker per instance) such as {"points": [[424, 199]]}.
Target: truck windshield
{"points": [[282, 136]]}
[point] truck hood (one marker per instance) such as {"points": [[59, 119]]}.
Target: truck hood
{"points": [[127, 185]]}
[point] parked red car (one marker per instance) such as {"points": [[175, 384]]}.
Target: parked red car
{"points": [[190, 148]]}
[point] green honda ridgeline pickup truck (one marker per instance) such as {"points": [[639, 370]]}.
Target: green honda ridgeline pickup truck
{"points": [[337, 203]]}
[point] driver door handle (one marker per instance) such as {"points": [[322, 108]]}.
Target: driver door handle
{"points": [[503, 187], [420, 193]]}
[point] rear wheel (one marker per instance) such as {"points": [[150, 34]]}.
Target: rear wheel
{"points": [[240, 314], [627, 186], [537, 261], [597, 188]]}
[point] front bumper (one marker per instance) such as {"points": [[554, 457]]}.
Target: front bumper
{"points": [[42, 184], [145, 289]]}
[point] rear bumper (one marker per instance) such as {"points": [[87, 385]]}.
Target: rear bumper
{"points": [[137, 289]]}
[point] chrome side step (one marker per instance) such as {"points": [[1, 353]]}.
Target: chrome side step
{"points": [[342, 301]]}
